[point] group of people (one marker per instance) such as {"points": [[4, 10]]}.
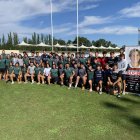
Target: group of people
{"points": [[92, 72]]}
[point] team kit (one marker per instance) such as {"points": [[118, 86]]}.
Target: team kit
{"points": [[101, 74]]}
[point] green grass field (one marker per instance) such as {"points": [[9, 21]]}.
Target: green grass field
{"points": [[42, 112]]}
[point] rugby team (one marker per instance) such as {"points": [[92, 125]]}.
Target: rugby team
{"points": [[93, 72]]}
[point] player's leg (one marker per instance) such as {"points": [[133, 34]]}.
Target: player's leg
{"points": [[25, 77], [12, 76], [49, 80], [90, 85], [77, 81], [70, 81], [119, 88], [100, 86], [84, 82], [38, 78], [32, 78], [42, 79], [62, 79]]}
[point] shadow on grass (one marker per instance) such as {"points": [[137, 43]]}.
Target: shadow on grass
{"points": [[129, 100], [135, 121], [123, 114], [114, 106]]}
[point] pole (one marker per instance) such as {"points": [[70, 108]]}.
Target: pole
{"points": [[77, 26], [51, 23]]}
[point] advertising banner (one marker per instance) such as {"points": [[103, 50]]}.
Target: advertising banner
{"points": [[132, 56]]}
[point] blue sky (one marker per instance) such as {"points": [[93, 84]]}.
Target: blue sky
{"points": [[114, 20]]}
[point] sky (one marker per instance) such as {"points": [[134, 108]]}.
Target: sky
{"points": [[114, 20]]}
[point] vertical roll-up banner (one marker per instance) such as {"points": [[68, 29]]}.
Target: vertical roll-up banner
{"points": [[132, 56]]}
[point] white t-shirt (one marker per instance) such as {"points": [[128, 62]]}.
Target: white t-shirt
{"points": [[47, 71], [122, 65], [20, 61], [15, 60], [31, 69]]}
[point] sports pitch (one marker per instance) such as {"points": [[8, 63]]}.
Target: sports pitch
{"points": [[42, 112]]}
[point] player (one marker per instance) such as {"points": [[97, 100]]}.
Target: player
{"points": [[69, 73], [37, 73], [106, 74], [122, 66], [90, 75], [61, 74], [112, 60], [16, 74], [54, 74], [30, 73], [99, 79], [2, 67], [9, 71], [47, 73], [42, 77], [114, 81], [83, 76]]}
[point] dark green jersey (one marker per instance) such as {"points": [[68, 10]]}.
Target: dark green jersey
{"points": [[17, 70], [54, 72], [90, 74], [83, 60], [24, 70], [68, 72], [26, 61], [50, 61], [7, 62], [2, 63], [10, 69], [42, 70], [37, 70]]}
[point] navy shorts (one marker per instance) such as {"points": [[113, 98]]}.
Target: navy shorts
{"points": [[123, 77], [2, 70], [54, 79], [16, 76], [97, 80]]}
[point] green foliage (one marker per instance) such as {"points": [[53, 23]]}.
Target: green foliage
{"points": [[82, 40], [12, 40]]}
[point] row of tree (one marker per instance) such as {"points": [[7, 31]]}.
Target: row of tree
{"points": [[12, 39]]}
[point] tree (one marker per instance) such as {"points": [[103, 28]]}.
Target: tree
{"points": [[34, 38], [15, 39], [69, 42], [25, 39], [38, 38], [9, 41], [42, 38], [61, 42], [3, 40], [82, 40]]}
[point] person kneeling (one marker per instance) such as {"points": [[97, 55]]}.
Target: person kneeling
{"points": [[114, 81]]}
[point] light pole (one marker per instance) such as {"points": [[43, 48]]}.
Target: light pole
{"points": [[77, 25], [51, 23]]}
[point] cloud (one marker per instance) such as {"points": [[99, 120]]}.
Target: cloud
{"points": [[114, 30], [88, 7], [93, 20], [25, 31], [133, 11], [109, 30], [13, 12]]}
